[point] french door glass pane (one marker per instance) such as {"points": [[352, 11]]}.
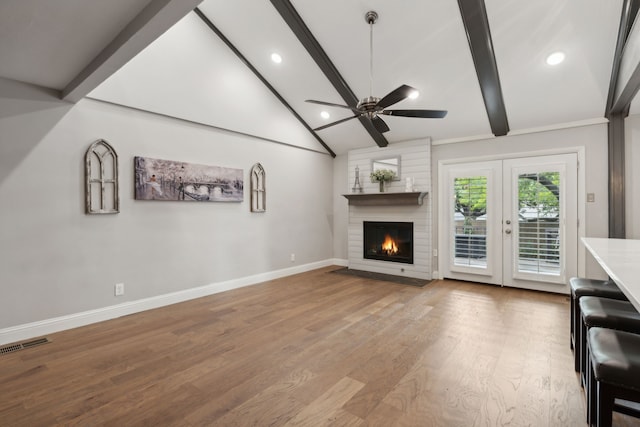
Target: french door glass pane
{"points": [[539, 223], [469, 219]]}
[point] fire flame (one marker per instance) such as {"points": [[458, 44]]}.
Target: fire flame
{"points": [[389, 246]]}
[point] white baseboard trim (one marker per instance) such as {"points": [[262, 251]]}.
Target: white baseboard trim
{"points": [[43, 327], [341, 262]]}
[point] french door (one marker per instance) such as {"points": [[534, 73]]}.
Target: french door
{"points": [[511, 222]]}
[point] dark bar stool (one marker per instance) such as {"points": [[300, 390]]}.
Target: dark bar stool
{"points": [[589, 287], [614, 373], [602, 313]]}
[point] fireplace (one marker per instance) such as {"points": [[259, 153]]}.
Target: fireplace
{"points": [[388, 241]]}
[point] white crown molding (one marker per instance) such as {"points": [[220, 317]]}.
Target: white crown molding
{"points": [[557, 126]]}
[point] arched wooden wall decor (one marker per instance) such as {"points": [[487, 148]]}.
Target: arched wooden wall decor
{"points": [[101, 173], [258, 189]]}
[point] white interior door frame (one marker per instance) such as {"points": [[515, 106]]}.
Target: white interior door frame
{"points": [[540, 275], [487, 269], [442, 203]]}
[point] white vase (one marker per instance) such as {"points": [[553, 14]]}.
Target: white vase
{"points": [[409, 185]]}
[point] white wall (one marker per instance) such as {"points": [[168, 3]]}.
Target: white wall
{"points": [[632, 176], [190, 73], [57, 261], [341, 185], [594, 140]]}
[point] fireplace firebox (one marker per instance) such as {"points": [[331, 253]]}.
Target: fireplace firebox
{"points": [[388, 241]]}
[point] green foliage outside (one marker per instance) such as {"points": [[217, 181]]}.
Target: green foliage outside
{"points": [[471, 199], [538, 191]]}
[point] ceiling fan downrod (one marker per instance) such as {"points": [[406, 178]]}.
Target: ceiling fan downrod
{"points": [[372, 107], [367, 105], [371, 17]]}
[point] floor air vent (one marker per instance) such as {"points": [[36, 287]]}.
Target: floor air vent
{"points": [[21, 346]]}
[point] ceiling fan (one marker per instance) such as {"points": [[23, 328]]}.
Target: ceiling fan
{"points": [[371, 107]]}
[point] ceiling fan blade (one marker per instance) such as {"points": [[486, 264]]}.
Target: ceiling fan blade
{"points": [[330, 104], [425, 114], [380, 125], [337, 122], [395, 96]]}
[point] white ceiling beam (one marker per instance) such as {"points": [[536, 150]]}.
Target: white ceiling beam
{"points": [[148, 25]]}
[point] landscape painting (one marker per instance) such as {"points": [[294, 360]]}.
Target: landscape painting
{"points": [[157, 179]]}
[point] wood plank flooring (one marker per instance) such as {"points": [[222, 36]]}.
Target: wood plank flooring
{"points": [[313, 349]]}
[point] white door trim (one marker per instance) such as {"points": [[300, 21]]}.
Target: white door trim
{"points": [[492, 172], [580, 151]]}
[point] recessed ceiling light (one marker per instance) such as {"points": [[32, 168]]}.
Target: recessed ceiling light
{"points": [[414, 94], [325, 115], [555, 58], [276, 58]]}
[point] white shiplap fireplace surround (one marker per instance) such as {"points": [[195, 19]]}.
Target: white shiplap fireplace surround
{"points": [[415, 163]]}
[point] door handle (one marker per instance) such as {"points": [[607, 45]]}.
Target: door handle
{"points": [[508, 231]]}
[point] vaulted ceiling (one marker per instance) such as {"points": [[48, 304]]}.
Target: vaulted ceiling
{"points": [[482, 61]]}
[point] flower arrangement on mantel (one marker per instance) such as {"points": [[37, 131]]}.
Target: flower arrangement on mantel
{"points": [[382, 176]]}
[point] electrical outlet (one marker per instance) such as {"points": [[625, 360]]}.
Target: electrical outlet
{"points": [[293, 257], [119, 289]]}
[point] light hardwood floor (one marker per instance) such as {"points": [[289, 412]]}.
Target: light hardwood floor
{"points": [[313, 349]]}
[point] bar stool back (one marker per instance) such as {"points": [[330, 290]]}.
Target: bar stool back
{"points": [[588, 287], [603, 313], [614, 372]]}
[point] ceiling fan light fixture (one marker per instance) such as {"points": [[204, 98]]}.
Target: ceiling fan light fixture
{"points": [[556, 58], [373, 107], [276, 58]]}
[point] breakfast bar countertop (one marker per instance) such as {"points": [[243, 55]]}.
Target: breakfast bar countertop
{"points": [[620, 258]]}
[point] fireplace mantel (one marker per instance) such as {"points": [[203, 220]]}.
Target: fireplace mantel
{"points": [[386, 199]]}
